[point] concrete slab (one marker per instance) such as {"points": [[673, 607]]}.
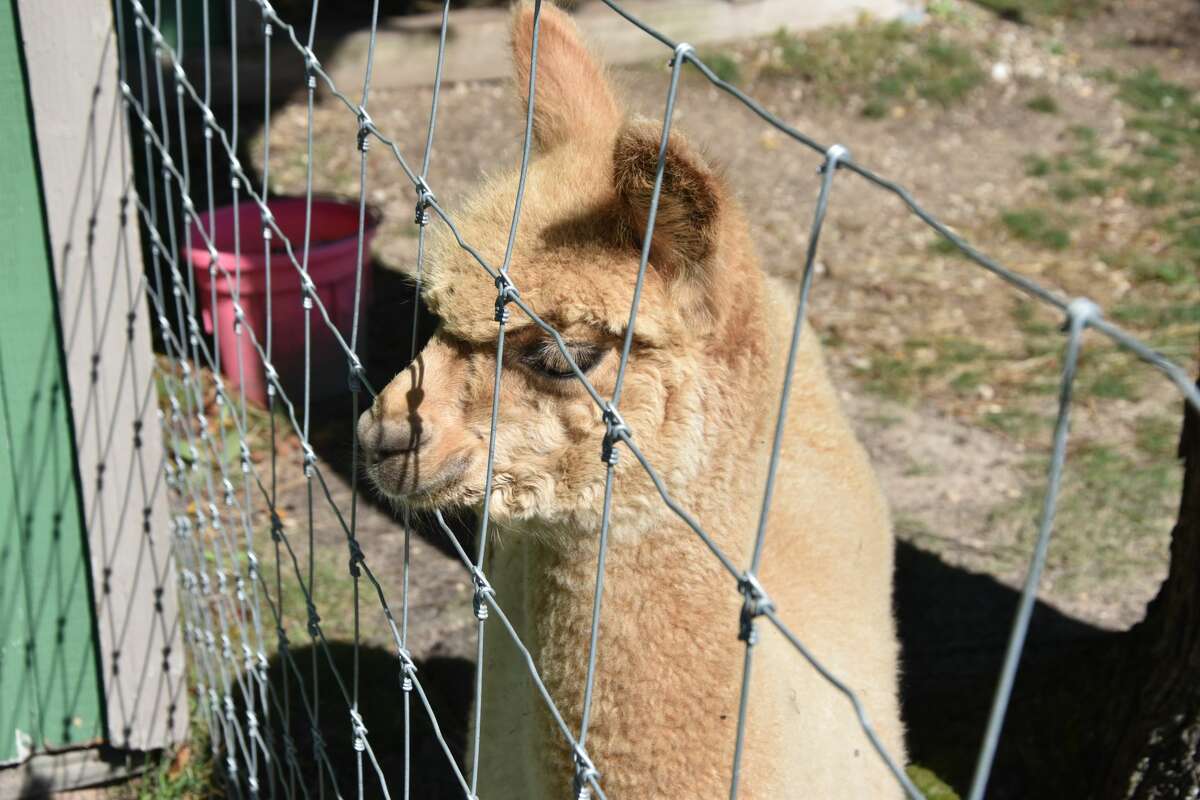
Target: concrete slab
{"points": [[477, 40]]}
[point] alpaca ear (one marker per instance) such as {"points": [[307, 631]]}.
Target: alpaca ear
{"points": [[572, 96], [689, 204]]}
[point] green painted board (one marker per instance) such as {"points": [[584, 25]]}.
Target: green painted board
{"points": [[50, 692]]}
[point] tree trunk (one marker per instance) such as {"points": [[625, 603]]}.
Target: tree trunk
{"points": [[1153, 716]]}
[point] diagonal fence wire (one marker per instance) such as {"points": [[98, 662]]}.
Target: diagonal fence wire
{"points": [[237, 700]]}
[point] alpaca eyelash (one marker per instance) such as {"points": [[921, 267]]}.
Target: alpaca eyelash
{"points": [[548, 361]]}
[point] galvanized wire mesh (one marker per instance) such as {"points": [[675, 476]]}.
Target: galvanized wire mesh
{"points": [[233, 614]]}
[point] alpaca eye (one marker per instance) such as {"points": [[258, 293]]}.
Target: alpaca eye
{"points": [[547, 360]]}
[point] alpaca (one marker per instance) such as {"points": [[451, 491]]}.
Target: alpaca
{"points": [[700, 398]]}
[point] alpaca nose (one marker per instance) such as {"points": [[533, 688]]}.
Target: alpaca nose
{"points": [[386, 435]]}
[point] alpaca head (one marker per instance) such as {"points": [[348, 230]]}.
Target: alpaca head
{"points": [[575, 263]]}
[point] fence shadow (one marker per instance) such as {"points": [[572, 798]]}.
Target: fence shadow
{"points": [[447, 682], [953, 625]]}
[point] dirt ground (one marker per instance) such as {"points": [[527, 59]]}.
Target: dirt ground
{"points": [[950, 376]]}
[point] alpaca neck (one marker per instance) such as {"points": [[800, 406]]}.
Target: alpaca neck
{"points": [[660, 588]]}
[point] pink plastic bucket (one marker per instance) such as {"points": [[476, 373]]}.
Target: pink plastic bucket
{"points": [[331, 264]]}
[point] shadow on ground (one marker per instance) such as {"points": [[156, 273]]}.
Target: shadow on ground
{"points": [[447, 684], [953, 628]]}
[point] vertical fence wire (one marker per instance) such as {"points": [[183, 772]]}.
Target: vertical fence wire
{"points": [[248, 744], [358, 729], [1080, 313]]}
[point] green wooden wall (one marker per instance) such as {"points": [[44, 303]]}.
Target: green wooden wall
{"points": [[50, 692]]}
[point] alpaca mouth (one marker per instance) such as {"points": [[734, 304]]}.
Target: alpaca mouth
{"points": [[403, 476]]}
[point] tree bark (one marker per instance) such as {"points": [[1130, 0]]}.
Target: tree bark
{"points": [[1153, 712]]}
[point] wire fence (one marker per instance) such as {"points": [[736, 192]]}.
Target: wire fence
{"points": [[232, 611]]}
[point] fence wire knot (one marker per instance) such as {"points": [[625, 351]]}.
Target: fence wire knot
{"points": [[314, 621], [682, 50], [506, 292], [356, 557], [755, 603], [615, 429], [1082, 312], [407, 669], [483, 590], [834, 156], [585, 774], [318, 741], [358, 730], [289, 746], [364, 130], [425, 199]]}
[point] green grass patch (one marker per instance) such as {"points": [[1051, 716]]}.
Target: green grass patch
{"points": [[960, 351], [1037, 166], [892, 377], [1156, 316], [1148, 269], [930, 785], [944, 247], [1040, 166], [1015, 422], [332, 593], [1033, 319], [961, 363], [1112, 383], [1153, 197], [1157, 436], [723, 66], [1147, 91], [1036, 226], [186, 774], [888, 64], [1084, 134], [1043, 104], [967, 382], [1066, 191], [1115, 509], [1163, 126], [196, 781]]}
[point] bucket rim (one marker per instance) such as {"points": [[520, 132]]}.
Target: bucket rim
{"points": [[373, 217]]}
